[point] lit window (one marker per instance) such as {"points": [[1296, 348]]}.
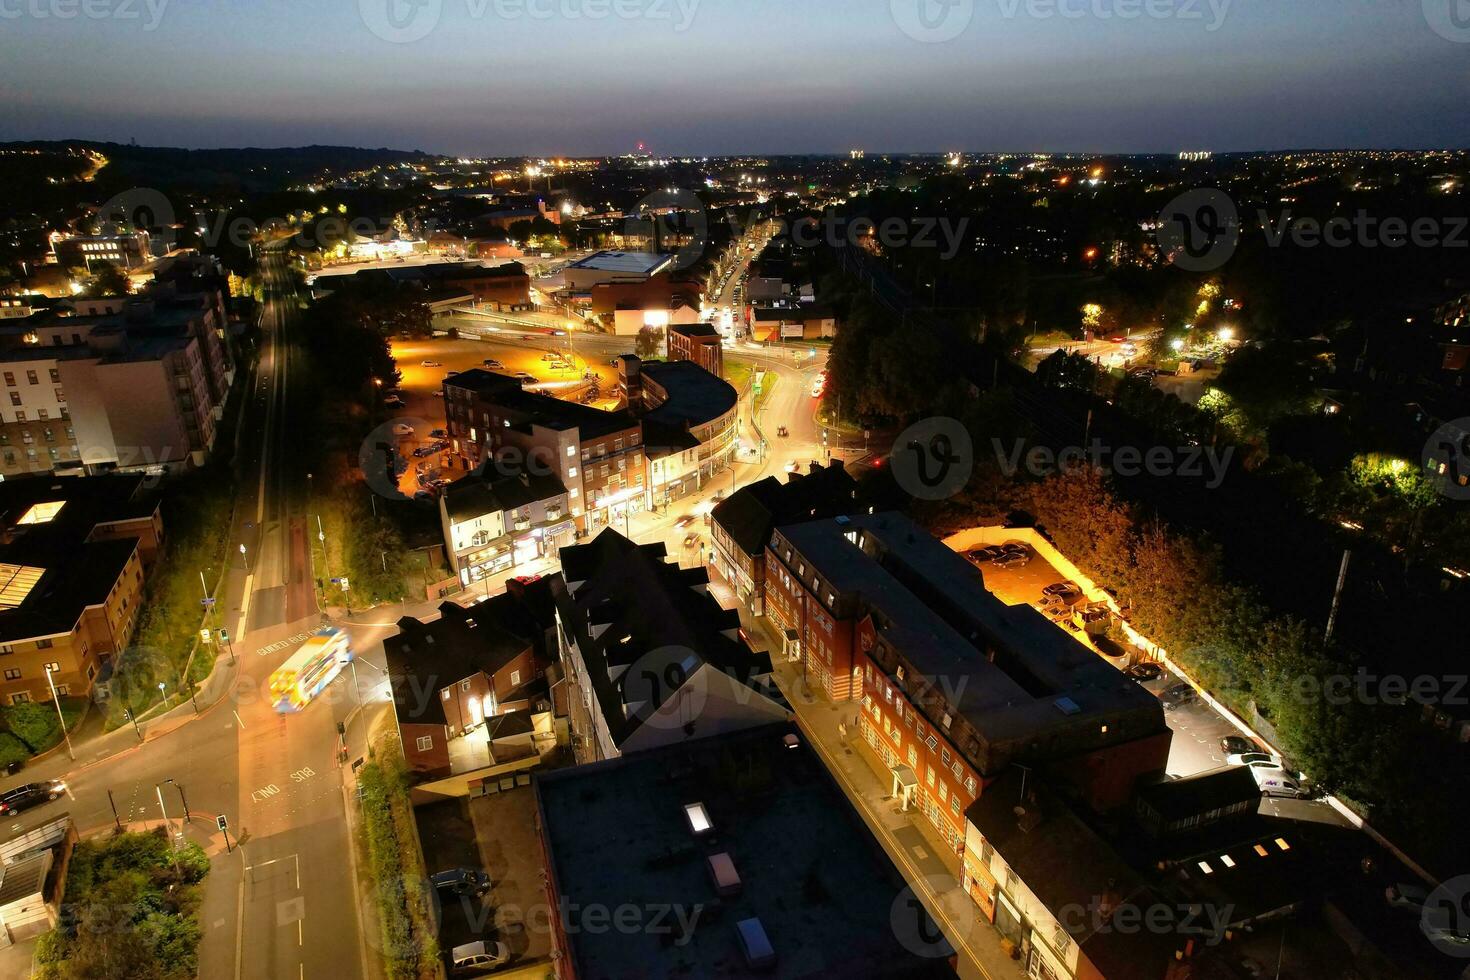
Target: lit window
{"points": [[698, 817], [1281, 843], [425, 743], [1227, 860], [1261, 851], [1205, 867]]}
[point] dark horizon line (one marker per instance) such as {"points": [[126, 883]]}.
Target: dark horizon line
{"points": [[837, 154]]}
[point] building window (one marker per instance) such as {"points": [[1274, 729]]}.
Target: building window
{"points": [[464, 685], [62, 690], [6, 649], [43, 644], [10, 378], [515, 677], [52, 666], [20, 697], [12, 674], [444, 694], [424, 743], [15, 398], [31, 378]]}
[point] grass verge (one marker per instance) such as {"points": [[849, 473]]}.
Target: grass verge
{"points": [[408, 940]]}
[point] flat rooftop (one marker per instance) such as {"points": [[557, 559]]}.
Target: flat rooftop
{"points": [[824, 891], [696, 397], [626, 263]]}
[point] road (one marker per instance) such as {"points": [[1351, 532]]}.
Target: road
{"points": [[275, 778]]}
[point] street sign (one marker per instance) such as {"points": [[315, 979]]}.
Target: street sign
{"points": [[224, 634], [221, 822], [344, 584], [204, 635], [206, 603]]}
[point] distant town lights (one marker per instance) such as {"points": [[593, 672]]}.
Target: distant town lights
{"points": [[1226, 334], [1177, 343]]}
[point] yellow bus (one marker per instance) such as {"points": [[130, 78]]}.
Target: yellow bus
{"points": [[310, 669]]}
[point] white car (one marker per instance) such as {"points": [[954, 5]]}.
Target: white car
{"points": [[792, 466], [475, 958], [403, 429], [432, 364]]}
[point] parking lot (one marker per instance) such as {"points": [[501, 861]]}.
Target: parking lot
{"points": [[1197, 728], [495, 834]]}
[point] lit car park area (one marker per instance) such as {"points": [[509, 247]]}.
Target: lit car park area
{"points": [[1198, 728]]}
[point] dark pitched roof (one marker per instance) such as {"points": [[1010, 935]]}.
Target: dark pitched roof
{"points": [[1200, 793], [752, 512], [645, 608], [426, 656], [474, 495], [545, 410]]}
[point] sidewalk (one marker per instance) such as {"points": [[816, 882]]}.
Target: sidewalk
{"points": [[931, 868]]}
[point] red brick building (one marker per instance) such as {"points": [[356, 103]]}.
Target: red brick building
{"points": [[700, 343], [954, 685]]}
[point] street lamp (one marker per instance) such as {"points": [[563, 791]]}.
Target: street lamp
{"points": [[244, 557], [59, 716]]}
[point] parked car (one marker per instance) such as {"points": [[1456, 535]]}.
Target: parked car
{"points": [[1145, 671], [462, 881], [438, 434], [1254, 758], [403, 429], [423, 451], [1012, 560], [31, 794], [1408, 897], [1237, 745], [988, 553], [432, 364], [1177, 695], [1276, 782], [491, 362], [1017, 548], [473, 959], [525, 379], [1061, 588], [684, 521]]}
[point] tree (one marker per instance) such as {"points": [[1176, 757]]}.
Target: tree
{"points": [[108, 280], [650, 343]]}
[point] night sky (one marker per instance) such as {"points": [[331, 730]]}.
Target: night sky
{"points": [[728, 76]]}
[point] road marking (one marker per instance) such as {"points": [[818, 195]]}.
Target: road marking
{"points": [[264, 793], [237, 719], [300, 931], [282, 644], [303, 774], [289, 911], [240, 921]]}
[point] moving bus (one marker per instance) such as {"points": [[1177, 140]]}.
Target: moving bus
{"points": [[310, 669]]}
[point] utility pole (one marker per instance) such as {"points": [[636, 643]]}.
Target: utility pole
{"points": [[128, 714], [1337, 594], [56, 700]]}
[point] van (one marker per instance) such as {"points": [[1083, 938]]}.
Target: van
{"points": [[1278, 783], [462, 881]]}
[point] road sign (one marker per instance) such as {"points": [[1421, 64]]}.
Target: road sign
{"points": [[204, 635], [224, 634], [344, 584], [206, 603], [221, 822]]}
